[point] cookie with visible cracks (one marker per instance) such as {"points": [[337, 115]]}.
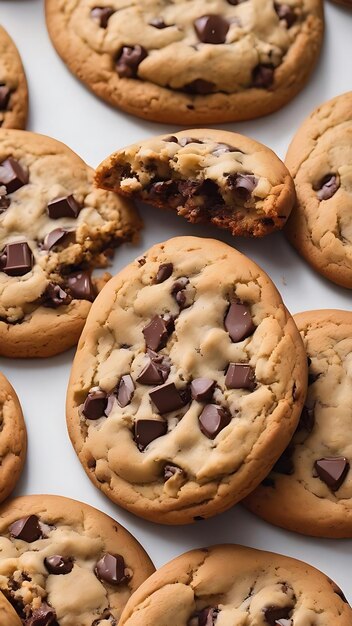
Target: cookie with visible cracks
{"points": [[13, 85]]}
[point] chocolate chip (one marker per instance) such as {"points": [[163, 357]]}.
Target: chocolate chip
{"points": [[307, 419], [12, 175], [199, 86], [154, 373], [54, 296], [145, 431], [328, 186], [170, 471], [240, 376], [158, 22], [58, 564], [4, 97], [95, 405], [101, 15], [202, 389], [286, 13], [17, 259], [332, 471], [273, 614], [171, 139], [178, 291], [164, 188], [26, 528], [185, 141], [213, 419], [168, 398], [81, 286], [54, 237], [44, 616], [156, 333], [164, 272], [129, 60], [242, 184], [238, 322], [211, 28], [263, 76], [64, 207], [125, 391], [207, 616], [223, 148], [284, 465], [111, 569], [4, 200]]}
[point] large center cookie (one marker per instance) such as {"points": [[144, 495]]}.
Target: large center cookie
{"points": [[310, 487], [186, 61], [188, 380], [54, 229], [63, 563], [13, 438], [234, 586], [13, 85]]}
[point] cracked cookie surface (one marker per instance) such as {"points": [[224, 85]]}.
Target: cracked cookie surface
{"points": [[55, 227], [230, 585], [64, 563], [188, 380], [13, 85], [205, 175], [186, 61], [310, 488], [13, 438], [320, 161]]}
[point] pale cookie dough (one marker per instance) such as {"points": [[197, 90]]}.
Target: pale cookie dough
{"points": [[205, 175], [13, 85], [320, 161], [186, 61], [230, 585], [310, 487], [63, 563], [13, 439], [55, 227], [188, 382]]}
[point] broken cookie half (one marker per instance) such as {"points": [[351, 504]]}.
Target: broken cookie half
{"points": [[205, 175]]}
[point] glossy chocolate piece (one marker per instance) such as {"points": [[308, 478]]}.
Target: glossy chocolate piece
{"points": [[81, 287], [26, 529], [58, 565], [129, 60], [240, 376], [263, 76], [66, 206], [168, 398], [211, 28], [101, 15], [202, 389], [213, 419], [111, 569], [164, 272], [95, 405], [332, 471], [12, 175], [16, 259], [125, 390], [238, 322], [145, 431]]}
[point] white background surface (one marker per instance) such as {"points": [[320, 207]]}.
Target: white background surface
{"points": [[63, 108]]}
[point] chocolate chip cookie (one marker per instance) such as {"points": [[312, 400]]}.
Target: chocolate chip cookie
{"points": [[190, 62], [63, 563], [310, 487], [55, 227], [13, 85], [13, 438], [320, 161], [211, 176], [230, 585], [8, 616], [188, 382]]}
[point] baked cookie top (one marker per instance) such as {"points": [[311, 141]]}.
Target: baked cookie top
{"points": [[189, 377], [8, 615], [13, 438], [231, 585], [13, 85], [64, 563], [320, 161], [310, 487], [188, 61], [205, 175]]}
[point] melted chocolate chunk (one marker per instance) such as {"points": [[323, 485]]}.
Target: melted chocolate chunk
{"points": [[129, 60], [273, 614], [332, 471], [263, 76], [125, 391], [178, 291], [200, 87], [64, 207], [164, 272], [328, 186], [213, 419], [307, 419], [54, 237], [101, 15], [238, 322], [159, 23], [12, 175], [156, 333], [164, 188], [240, 376], [171, 139], [168, 398], [242, 184], [286, 13], [26, 529], [58, 564], [155, 371], [16, 259], [171, 470], [111, 569], [44, 616], [185, 141], [202, 389], [95, 405], [145, 431], [211, 28], [284, 465], [81, 287], [54, 296], [207, 616], [4, 97], [4, 200], [223, 148]]}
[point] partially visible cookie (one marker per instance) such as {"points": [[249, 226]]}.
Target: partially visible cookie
{"points": [[205, 175], [345, 3], [229, 585], [55, 227], [64, 563], [13, 438], [310, 487], [13, 85], [320, 161], [8, 616], [190, 62], [188, 382]]}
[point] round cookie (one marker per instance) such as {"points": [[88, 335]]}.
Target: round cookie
{"points": [[310, 487], [13, 85], [188, 62], [230, 585], [188, 382], [13, 438], [55, 227], [64, 563], [320, 161], [205, 175]]}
